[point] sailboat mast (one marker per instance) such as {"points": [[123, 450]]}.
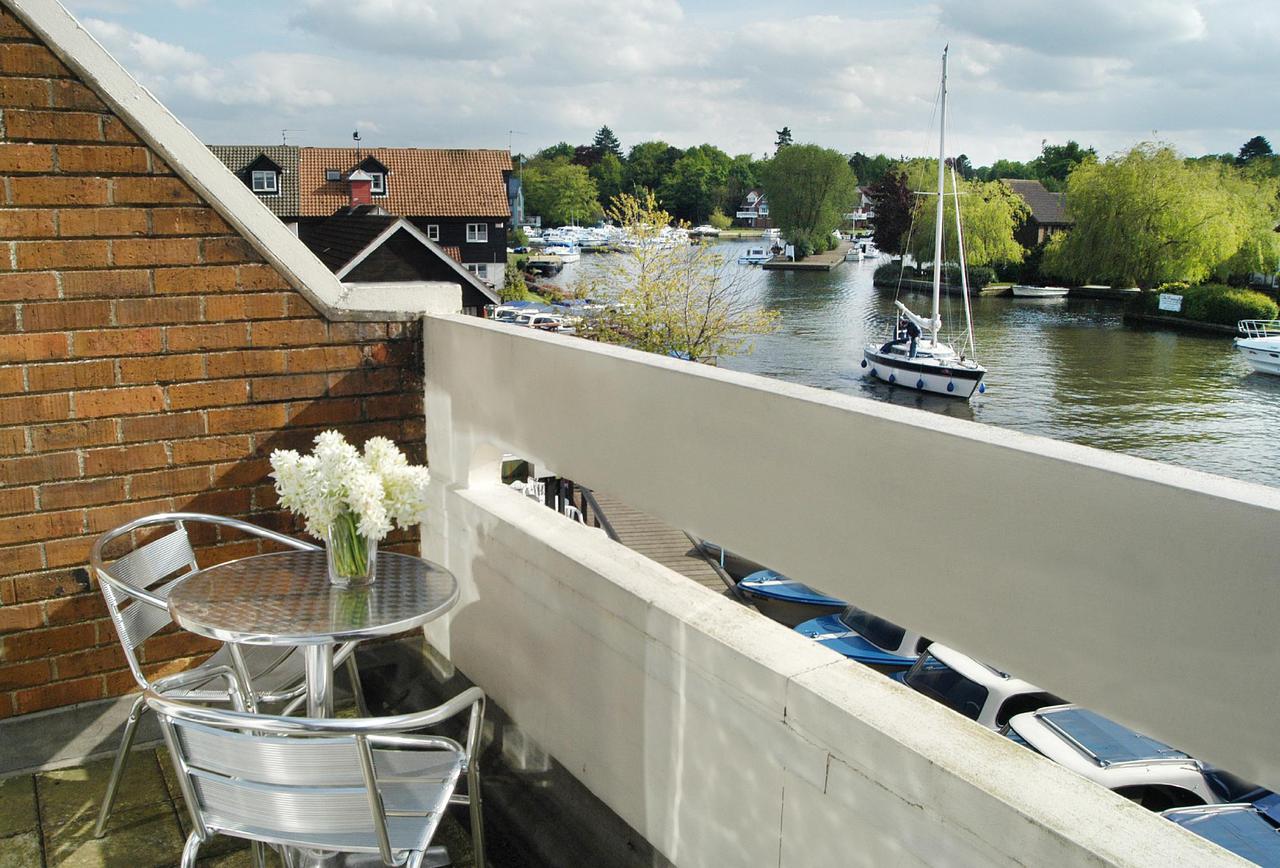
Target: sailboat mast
{"points": [[937, 224]]}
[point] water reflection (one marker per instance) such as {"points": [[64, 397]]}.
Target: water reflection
{"points": [[1067, 369]]}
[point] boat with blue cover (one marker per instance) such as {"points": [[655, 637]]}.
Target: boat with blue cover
{"points": [[1249, 831], [786, 600], [866, 638]]}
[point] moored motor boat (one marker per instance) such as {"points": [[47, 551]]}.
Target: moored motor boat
{"points": [[755, 256], [786, 600], [866, 638], [1260, 346], [1040, 291]]}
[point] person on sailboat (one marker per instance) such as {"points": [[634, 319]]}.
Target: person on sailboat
{"points": [[916, 325]]}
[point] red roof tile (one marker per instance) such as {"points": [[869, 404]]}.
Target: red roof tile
{"points": [[423, 182]]}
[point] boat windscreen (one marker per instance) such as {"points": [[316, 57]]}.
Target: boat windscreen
{"points": [[940, 682], [1105, 740], [879, 632], [1230, 788]]}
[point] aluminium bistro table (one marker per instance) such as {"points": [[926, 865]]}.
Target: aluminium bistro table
{"points": [[285, 598]]}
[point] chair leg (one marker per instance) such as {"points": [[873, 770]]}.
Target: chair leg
{"points": [[477, 812], [190, 851], [259, 855], [353, 673], [117, 770]]}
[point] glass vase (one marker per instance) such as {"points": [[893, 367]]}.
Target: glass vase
{"points": [[352, 558]]}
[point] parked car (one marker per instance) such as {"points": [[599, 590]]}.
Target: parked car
{"points": [[1246, 830], [976, 690], [867, 638], [1136, 766]]}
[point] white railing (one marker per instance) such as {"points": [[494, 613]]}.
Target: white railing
{"points": [[1140, 590], [1259, 328]]}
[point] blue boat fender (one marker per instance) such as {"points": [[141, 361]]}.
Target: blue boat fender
{"points": [[982, 388], [920, 383], [892, 378], [951, 387], [864, 363]]}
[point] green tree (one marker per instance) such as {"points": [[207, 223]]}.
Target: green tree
{"points": [[606, 142], [1056, 162], [870, 169], [560, 149], [742, 180], [894, 206], [989, 213], [784, 138], [696, 183], [648, 164], [1150, 216], [809, 188], [609, 177], [964, 168], [677, 300], [1255, 147], [1005, 169], [720, 220], [560, 192]]}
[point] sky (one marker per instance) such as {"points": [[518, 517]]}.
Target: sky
{"points": [[859, 75]]}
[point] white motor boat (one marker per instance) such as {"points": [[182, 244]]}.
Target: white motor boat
{"points": [[1040, 291], [566, 252], [910, 358], [755, 256], [1260, 345], [853, 254]]}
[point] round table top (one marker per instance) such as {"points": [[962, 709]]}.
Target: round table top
{"points": [[285, 598]]}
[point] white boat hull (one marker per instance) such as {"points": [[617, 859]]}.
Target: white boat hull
{"points": [[1262, 354], [1040, 291], [951, 378]]}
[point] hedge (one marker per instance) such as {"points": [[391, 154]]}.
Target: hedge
{"points": [[1213, 302], [887, 274]]}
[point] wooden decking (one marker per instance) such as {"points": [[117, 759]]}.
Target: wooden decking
{"points": [[659, 541]]}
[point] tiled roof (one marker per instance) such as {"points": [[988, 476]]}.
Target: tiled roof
{"points": [[423, 182], [1047, 209], [238, 158], [337, 240], [454, 251]]}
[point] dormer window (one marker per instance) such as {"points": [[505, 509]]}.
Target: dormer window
{"points": [[263, 176], [378, 172], [265, 181], [332, 175]]}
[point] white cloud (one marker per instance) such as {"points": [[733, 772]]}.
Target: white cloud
{"points": [[439, 72]]}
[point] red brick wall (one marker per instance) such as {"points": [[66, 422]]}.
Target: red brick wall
{"points": [[149, 361]]}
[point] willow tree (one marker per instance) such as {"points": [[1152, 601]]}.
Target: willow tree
{"points": [[1150, 217], [674, 299], [990, 212]]}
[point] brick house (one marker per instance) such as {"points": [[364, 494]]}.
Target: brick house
{"points": [[459, 198], [161, 332], [1048, 212], [754, 210]]}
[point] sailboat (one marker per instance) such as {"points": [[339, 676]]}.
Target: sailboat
{"points": [[923, 362]]}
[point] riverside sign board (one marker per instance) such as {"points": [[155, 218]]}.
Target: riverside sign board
{"points": [[1170, 302]]}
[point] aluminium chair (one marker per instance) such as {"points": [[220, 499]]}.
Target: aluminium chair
{"points": [[136, 587], [370, 788]]}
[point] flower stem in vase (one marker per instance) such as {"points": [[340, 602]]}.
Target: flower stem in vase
{"points": [[351, 556]]}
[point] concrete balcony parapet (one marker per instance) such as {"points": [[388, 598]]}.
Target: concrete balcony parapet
{"points": [[726, 739]]}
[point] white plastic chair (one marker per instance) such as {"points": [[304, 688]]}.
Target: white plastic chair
{"points": [[136, 587], [353, 786]]}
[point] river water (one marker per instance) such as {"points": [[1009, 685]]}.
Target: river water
{"points": [[1063, 368]]}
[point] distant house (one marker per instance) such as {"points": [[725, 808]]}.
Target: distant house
{"points": [[1048, 212], [754, 211], [368, 248], [459, 199], [271, 171], [864, 210]]}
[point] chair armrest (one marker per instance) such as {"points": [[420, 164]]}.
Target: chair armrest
{"points": [[472, 699], [199, 675]]}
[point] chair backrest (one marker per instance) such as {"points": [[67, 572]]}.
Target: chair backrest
{"points": [[132, 584], [334, 790], [136, 585]]}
